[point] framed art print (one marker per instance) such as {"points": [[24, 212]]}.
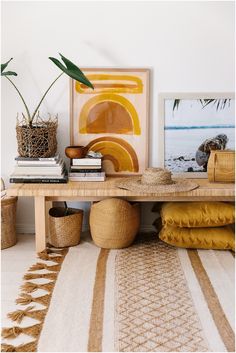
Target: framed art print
{"points": [[113, 118], [193, 125]]}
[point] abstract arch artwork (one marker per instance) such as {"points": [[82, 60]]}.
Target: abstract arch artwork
{"points": [[111, 83], [113, 118], [120, 153], [110, 113]]}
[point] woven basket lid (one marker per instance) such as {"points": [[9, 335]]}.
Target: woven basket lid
{"points": [[156, 181]]}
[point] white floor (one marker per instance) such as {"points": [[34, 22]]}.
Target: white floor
{"points": [[15, 262]]}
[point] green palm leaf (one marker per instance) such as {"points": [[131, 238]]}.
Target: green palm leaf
{"points": [[8, 73], [219, 103], [71, 70], [176, 104]]}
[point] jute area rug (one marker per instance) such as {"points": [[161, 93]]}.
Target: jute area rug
{"points": [[150, 297]]}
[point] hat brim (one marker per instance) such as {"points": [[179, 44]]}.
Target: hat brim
{"points": [[132, 184]]}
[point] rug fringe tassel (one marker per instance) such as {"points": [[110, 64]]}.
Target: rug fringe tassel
{"points": [[30, 287], [26, 299], [13, 332], [28, 347], [41, 266], [46, 257], [19, 315], [28, 276]]}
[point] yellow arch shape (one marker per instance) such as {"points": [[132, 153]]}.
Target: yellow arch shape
{"points": [[112, 98], [117, 84], [118, 151]]}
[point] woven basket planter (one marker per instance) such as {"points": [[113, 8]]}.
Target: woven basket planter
{"points": [[40, 140], [114, 223], [65, 230], [8, 222]]}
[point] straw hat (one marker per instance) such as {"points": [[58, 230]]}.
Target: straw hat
{"points": [[156, 181]]}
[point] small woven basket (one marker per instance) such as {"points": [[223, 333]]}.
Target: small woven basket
{"points": [[65, 230], [114, 223], [8, 222], [40, 140]]}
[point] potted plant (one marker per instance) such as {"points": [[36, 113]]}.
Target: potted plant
{"points": [[35, 136]]}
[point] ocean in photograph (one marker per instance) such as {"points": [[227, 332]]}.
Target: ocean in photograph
{"points": [[182, 142]]}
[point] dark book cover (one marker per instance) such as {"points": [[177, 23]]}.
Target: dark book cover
{"points": [[39, 180], [99, 170]]}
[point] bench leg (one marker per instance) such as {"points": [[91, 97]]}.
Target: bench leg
{"points": [[40, 223], [48, 205]]}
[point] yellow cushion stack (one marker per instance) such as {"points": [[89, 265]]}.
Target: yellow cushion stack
{"points": [[203, 225]]}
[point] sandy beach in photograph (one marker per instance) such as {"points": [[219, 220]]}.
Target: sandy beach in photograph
{"points": [[181, 146]]}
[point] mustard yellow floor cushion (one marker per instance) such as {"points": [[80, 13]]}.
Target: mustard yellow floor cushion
{"points": [[199, 238], [197, 214], [114, 223]]}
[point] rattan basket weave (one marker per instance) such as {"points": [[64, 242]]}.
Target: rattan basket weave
{"points": [[114, 223], [65, 230], [40, 140], [8, 222], [221, 166]]}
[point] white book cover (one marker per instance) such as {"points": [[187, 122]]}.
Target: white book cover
{"points": [[39, 170], [38, 163], [101, 178], [80, 175], [77, 167], [86, 161], [35, 159]]}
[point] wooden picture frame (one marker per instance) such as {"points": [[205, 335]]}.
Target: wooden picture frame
{"points": [[113, 118], [186, 130]]}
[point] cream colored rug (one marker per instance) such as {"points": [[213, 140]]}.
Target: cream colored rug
{"points": [[149, 297]]}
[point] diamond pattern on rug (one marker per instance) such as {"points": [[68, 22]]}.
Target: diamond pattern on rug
{"points": [[154, 309]]}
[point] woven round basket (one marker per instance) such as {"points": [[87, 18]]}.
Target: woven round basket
{"points": [[114, 223], [8, 222], [65, 230], [37, 141]]}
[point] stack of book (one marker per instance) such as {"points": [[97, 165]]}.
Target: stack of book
{"points": [[39, 170], [86, 169]]}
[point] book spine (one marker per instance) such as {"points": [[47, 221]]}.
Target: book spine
{"points": [[85, 170], [36, 163], [36, 158], [86, 161], [37, 172], [89, 175], [38, 181], [73, 167], [101, 178]]}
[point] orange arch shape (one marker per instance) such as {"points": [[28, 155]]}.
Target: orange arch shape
{"points": [[118, 151], [108, 97]]}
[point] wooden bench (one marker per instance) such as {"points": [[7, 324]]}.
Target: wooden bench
{"points": [[45, 194]]}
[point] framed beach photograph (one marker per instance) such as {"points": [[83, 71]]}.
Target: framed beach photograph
{"points": [[193, 125], [112, 118]]}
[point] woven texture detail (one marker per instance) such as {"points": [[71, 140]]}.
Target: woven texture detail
{"points": [[114, 214], [64, 229], [39, 140], [8, 222], [155, 312]]}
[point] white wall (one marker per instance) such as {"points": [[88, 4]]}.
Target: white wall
{"points": [[188, 45]]}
